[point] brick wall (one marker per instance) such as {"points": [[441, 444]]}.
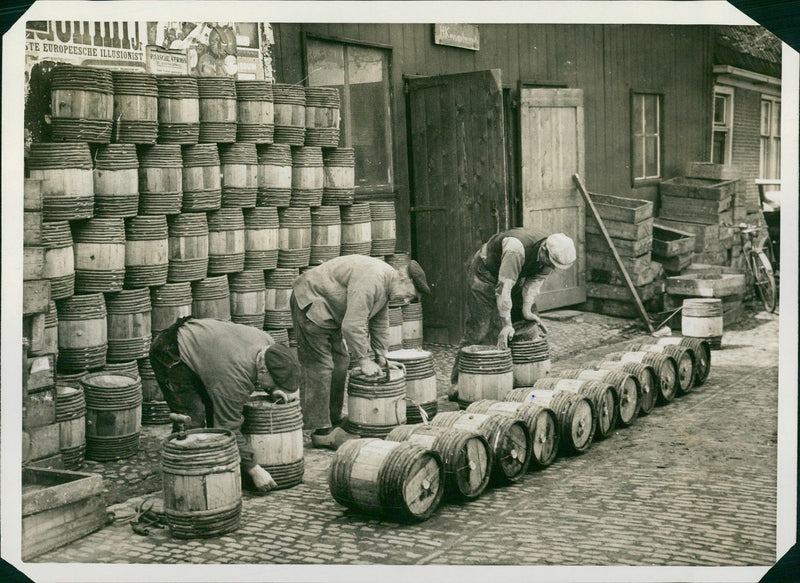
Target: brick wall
{"points": [[746, 136]]}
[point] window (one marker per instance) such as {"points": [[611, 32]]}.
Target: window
{"points": [[770, 138], [722, 131], [361, 73], [645, 138]]}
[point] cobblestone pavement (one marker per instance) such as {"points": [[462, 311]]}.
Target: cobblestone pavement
{"points": [[693, 483]]}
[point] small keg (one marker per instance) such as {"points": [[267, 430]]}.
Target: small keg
{"points": [[412, 325], [211, 298], [160, 179], [307, 176], [146, 251], [255, 112], [277, 310], [128, 324], [375, 405], [603, 397], [289, 102], [626, 387], [665, 366], [274, 175], [135, 107], [71, 419], [400, 480], [116, 181], [59, 259], [248, 297], [484, 372], [275, 432], [395, 327], [178, 109], [338, 167], [65, 174], [81, 104], [383, 227], [531, 358], [113, 416], [294, 237], [702, 318], [356, 229], [49, 344], [684, 357], [239, 166], [645, 375], [261, 238], [99, 248], [326, 234], [201, 179], [702, 354], [218, 108], [155, 410], [322, 116], [169, 302], [188, 247], [225, 241]]}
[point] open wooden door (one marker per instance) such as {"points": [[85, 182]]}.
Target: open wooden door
{"points": [[552, 150], [458, 185]]}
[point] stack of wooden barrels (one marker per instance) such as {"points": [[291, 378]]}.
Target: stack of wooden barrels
{"points": [[162, 196]]}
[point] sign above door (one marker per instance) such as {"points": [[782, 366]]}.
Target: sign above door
{"points": [[463, 36]]}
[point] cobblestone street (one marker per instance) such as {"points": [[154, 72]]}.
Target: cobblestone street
{"points": [[693, 483]]}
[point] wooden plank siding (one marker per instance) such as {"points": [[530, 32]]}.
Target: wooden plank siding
{"points": [[606, 61]]}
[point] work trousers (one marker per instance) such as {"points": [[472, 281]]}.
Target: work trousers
{"points": [[183, 390], [324, 360]]}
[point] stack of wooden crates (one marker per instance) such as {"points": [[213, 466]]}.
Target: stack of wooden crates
{"points": [[629, 223]]}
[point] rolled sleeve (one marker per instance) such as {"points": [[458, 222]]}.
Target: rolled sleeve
{"points": [[511, 260], [379, 331], [361, 298]]}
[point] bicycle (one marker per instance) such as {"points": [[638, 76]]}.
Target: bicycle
{"points": [[756, 253]]}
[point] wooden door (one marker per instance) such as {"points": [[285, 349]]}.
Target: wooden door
{"points": [[458, 185], [551, 151]]}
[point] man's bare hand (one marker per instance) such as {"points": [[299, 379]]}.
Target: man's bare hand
{"points": [[538, 320], [261, 479], [369, 368]]}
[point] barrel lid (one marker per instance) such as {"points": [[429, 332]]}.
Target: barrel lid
{"points": [[404, 354], [200, 438], [484, 349], [108, 380]]}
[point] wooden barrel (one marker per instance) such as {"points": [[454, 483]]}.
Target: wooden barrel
{"points": [[626, 387], [645, 375], [146, 251], [395, 327], [338, 167], [248, 297], [49, 344], [59, 259], [412, 325], [274, 175], [255, 112], [128, 320], [218, 108], [356, 229], [279, 335], [278, 284], [116, 181], [702, 318], [225, 241], [261, 238], [275, 432], [508, 438], [160, 180], [202, 483], [168, 303], [129, 368], [178, 109], [326, 234], [420, 383], [306, 176], [155, 410], [188, 247], [541, 421], [684, 357], [575, 413], [466, 456], [71, 419], [399, 260], [383, 227], [484, 372], [71, 379], [402, 481], [603, 397], [239, 166], [322, 116], [531, 359], [113, 416], [211, 298], [201, 179], [294, 237], [81, 104], [290, 113], [99, 248], [135, 107], [375, 405], [65, 175], [665, 366], [702, 354]]}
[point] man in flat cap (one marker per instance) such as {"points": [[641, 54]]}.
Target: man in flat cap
{"points": [[207, 369], [339, 311], [505, 275]]}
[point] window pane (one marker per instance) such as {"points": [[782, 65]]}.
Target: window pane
{"points": [[776, 120], [651, 114], [325, 63], [720, 109], [777, 154], [765, 106], [718, 148], [651, 157], [369, 107], [637, 123], [638, 158]]}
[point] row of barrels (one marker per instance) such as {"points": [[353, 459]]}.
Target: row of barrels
{"points": [[107, 254], [121, 180], [96, 105], [406, 475]]}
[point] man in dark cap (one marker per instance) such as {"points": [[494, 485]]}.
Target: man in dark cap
{"points": [[340, 310], [207, 369], [511, 263]]}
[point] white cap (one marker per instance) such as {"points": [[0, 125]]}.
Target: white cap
{"points": [[561, 250]]}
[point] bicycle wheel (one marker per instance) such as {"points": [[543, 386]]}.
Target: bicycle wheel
{"points": [[765, 281]]}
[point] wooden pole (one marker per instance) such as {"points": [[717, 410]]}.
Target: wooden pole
{"points": [[637, 300]]}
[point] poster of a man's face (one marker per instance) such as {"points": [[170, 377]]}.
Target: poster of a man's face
{"points": [[210, 46]]}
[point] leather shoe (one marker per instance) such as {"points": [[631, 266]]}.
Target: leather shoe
{"points": [[332, 440]]}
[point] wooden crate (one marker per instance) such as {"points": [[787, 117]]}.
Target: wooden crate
{"points": [[58, 507], [698, 188], [622, 230], [624, 247], [41, 442], [707, 212], [32, 263], [39, 408], [706, 284], [617, 208], [675, 264], [41, 372], [605, 291], [669, 242], [704, 235], [32, 195], [711, 171], [35, 296], [602, 268], [32, 228]]}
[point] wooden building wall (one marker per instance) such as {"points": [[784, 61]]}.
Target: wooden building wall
{"points": [[606, 61]]}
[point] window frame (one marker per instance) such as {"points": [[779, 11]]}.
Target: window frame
{"points": [[372, 191], [647, 180], [727, 126], [770, 158]]}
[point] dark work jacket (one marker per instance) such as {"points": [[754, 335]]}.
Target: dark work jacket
{"points": [[531, 240]]}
